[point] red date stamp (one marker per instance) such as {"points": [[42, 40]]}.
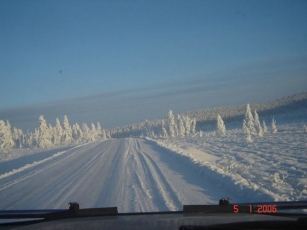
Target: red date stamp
{"points": [[267, 209], [258, 209]]}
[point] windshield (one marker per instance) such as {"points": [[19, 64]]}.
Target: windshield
{"points": [[151, 105]]}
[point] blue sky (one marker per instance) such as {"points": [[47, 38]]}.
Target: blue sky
{"points": [[126, 61]]}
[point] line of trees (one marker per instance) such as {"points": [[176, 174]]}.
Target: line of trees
{"points": [[48, 136], [174, 125], [292, 107], [251, 125], [179, 126]]}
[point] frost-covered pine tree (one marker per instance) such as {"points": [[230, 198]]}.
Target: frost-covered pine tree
{"points": [[57, 133], [29, 140], [181, 128], [67, 133], [147, 128], [50, 128], [249, 120], [248, 137], [193, 125], [93, 133], [264, 128], [35, 137], [44, 134], [171, 124], [103, 134], [17, 137], [244, 127], [108, 133], [77, 133], [98, 131], [273, 126], [220, 126], [6, 139], [257, 124], [163, 130], [10, 136], [176, 128], [23, 140], [187, 123], [86, 133]]}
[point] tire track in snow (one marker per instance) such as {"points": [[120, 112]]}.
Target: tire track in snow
{"points": [[115, 163], [125, 186], [146, 183], [159, 181]]}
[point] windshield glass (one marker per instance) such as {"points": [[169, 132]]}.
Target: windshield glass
{"points": [[152, 105]]}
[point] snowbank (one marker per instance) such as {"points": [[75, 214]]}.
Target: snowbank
{"points": [[272, 167]]}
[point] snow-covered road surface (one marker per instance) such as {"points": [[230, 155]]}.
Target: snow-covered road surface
{"points": [[132, 174]]}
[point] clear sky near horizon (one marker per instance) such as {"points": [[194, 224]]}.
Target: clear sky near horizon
{"points": [[125, 61]]}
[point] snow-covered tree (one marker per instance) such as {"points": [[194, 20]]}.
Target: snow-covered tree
{"points": [[98, 131], [244, 127], [29, 140], [67, 133], [103, 134], [18, 137], [305, 128], [200, 133], [86, 133], [35, 137], [9, 132], [273, 126], [176, 131], [249, 120], [187, 123], [6, 139], [264, 128], [163, 130], [257, 124], [50, 128], [57, 133], [181, 128], [171, 124], [147, 128], [193, 125], [44, 134], [77, 133], [108, 134], [248, 137], [220, 126], [93, 133]]}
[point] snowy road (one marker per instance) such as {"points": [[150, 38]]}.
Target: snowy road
{"points": [[132, 174]]}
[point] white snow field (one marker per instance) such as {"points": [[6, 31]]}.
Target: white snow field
{"points": [[132, 174], [272, 167]]}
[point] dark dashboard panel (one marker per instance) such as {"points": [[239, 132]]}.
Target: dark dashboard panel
{"points": [[154, 221]]}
